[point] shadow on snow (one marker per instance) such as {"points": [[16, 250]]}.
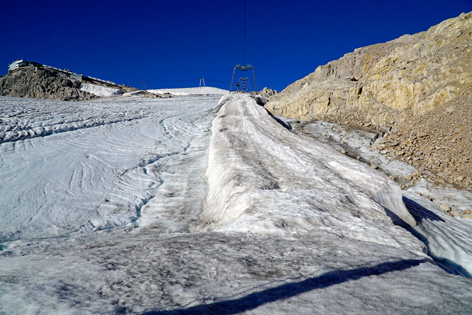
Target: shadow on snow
{"points": [[288, 290], [419, 212]]}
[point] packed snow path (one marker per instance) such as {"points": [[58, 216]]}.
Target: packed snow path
{"points": [[263, 178], [283, 250]]}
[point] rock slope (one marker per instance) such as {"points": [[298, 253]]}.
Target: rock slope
{"points": [[419, 86], [34, 82]]}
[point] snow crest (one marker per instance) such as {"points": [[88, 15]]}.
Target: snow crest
{"points": [[264, 179]]}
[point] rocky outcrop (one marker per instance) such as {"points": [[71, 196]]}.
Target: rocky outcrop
{"points": [[415, 85], [41, 83], [387, 82], [267, 92]]}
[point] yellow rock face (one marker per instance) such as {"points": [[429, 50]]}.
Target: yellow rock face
{"points": [[411, 75]]}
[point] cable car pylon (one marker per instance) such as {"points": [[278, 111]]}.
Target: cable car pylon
{"points": [[243, 82]]}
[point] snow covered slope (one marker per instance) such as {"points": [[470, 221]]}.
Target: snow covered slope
{"points": [[86, 165], [263, 178], [311, 236], [99, 90], [202, 90]]}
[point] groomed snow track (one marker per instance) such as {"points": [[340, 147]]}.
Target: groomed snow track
{"points": [[260, 172]]}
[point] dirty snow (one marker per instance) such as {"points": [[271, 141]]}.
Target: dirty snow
{"points": [[444, 194], [446, 237], [99, 90], [252, 182], [98, 216], [356, 144]]}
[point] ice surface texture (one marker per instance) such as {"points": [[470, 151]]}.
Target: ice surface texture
{"points": [[97, 169], [264, 179], [447, 238], [309, 240]]}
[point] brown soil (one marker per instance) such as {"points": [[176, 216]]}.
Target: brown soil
{"points": [[438, 143]]}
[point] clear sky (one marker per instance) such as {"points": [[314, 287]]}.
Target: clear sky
{"points": [[174, 43]]}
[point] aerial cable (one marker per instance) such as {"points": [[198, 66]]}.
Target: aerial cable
{"points": [[244, 47], [232, 30], [257, 27], [243, 84]]}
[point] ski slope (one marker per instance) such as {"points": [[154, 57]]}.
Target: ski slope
{"points": [[69, 166], [182, 206]]}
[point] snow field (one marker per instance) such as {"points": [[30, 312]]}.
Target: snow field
{"points": [[200, 273], [287, 227], [178, 201], [96, 176], [202, 90], [30, 118]]}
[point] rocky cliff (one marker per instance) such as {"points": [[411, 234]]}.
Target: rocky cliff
{"points": [[418, 85], [34, 82]]}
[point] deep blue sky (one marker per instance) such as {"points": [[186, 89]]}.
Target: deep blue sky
{"points": [[174, 43]]}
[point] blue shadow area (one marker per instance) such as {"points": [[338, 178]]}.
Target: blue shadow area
{"points": [[419, 212], [288, 290]]}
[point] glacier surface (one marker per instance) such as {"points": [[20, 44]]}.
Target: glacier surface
{"points": [[177, 206]]}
